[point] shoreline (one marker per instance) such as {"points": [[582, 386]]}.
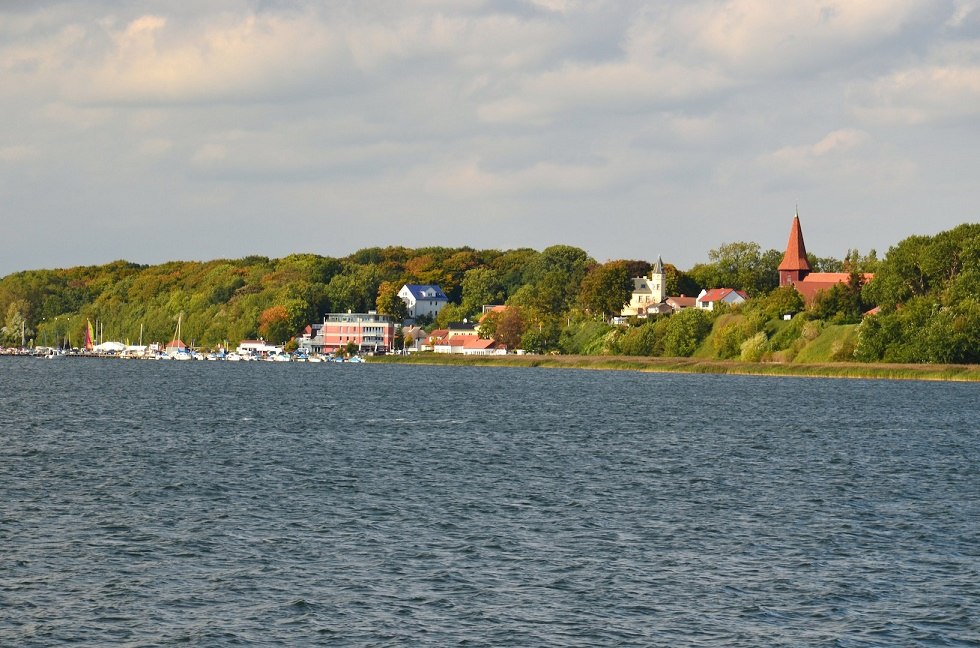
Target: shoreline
{"points": [[851, 370]]}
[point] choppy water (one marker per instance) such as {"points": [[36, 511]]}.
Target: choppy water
{"points": [[154, 504]]}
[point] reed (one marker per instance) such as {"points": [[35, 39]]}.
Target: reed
{"points": [[970, 373]]}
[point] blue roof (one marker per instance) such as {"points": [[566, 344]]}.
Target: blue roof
{"points": [[418, 289]]}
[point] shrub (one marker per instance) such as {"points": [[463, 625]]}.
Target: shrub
{"points": [[753, 348]]}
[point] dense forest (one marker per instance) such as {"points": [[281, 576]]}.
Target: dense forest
{"points": [[926, 288]]}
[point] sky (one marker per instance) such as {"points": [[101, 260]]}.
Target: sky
{"points": [[155, 130]]}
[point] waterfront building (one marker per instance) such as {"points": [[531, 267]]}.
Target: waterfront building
{"points": [[371, 332]]}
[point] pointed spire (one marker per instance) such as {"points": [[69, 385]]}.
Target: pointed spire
{"points": [[658, 267], [795, 257]]}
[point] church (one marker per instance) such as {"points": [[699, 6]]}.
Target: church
{"points": [[795, 270]]}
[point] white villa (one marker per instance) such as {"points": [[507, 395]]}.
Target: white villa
{"points": [[423, 300], [648, 292]]}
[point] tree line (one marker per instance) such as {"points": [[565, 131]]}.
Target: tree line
{"points": [[559, 299]]}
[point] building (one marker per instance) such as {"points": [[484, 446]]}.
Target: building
{"points": [[468, 345], [647, 292], [682, 302], [795, 269], [708, 298], [371, 333], [257, 348], [455, 329], [423, 300]]}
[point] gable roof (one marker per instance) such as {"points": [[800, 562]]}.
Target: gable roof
{"points": [[719, 294], [418, 291], [795, 256], [479, 343], [681, 301]]}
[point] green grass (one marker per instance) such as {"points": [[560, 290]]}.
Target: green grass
{"points": [[823, 348]]}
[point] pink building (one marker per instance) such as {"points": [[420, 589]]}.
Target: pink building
{"points": [[372, 333]]}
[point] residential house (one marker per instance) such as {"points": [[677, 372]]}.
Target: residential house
{"points": [[677, 304], [423, 300], [414, 336], [463, 328], [433, 338], [708, 298]]}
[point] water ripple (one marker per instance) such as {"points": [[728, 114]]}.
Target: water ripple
{"points": [[153, 504]]}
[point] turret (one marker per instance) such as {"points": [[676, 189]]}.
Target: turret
{"points": [[658, 279], [794, 266]]}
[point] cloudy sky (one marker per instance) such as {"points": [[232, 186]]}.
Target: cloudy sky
{"points": [[157, 130]]}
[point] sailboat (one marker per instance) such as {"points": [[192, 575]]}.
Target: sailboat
{"points": [[177, 350]]}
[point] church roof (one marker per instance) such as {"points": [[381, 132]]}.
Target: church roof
{"points": [[795, 257], [658, 267], [816, 282]]}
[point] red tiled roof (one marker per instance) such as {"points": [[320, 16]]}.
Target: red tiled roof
{"points": [[818, 281], [836, 277], [478, 343], [717, 294], [438, 333], [500, 308], [795, 257], [682, 301]]}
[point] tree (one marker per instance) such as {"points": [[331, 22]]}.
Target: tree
{"points": [[389, 303], [481, 286], [740, 265], [685, 332], [784, 300], [510, 326], [605, 289], [842, 303], [274, 324], [15, 324], [640, 341]]}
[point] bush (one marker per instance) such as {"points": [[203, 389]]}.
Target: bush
{"points": [[640, 341], [753, 348], [685, 331], [575, 339]]}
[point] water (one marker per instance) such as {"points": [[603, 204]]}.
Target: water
{"points": [[215, 504]]}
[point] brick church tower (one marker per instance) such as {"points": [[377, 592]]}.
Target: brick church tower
{"points": [[794, 266]]}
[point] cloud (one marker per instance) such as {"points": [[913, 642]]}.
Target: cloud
{"points": [[840, 161], [539, 112], [834, 144], [757, 38], [152, 60], [923, 94], [18, 153]]}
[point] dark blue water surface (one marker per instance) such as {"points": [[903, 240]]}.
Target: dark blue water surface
{"points": [[163, 503]]}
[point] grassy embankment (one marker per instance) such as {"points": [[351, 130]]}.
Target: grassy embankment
{"points": [[696, 365]]}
